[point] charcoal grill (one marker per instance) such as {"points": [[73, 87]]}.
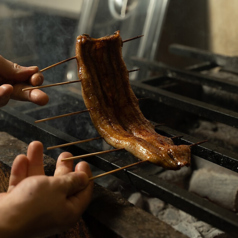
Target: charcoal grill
{"points": [[162, 101]]}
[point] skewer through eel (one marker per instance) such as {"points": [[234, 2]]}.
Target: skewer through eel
{"points": [[130, 165], [66, 60], [88, 140], [61, 83], [71, 114], [113, 150], [74, 57]]}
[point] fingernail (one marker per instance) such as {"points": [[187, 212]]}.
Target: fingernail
{"points": [[33, 68], [40, 80]]}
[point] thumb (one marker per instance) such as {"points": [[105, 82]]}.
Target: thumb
{"points": [[73, 183]]}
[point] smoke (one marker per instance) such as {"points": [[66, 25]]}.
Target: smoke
{"points": [[32, 36]]}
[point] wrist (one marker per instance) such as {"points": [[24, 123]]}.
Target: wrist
{"points": [[9, 223]]}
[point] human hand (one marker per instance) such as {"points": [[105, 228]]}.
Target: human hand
{"points": [[36, 204], [13, 78]]}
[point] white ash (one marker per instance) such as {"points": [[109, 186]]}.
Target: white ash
{"points": [[208, 231], [221, 188], [176, 176], [201, 163], [136, 199], [217, 133], [188, 225], [179, 220], [188, 230], [155, 205]]}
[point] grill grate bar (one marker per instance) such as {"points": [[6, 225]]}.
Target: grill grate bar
{"points": [[187, 104], [188, 76], [229, 63], [206, 151]]}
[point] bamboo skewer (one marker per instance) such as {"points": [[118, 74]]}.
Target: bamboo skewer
{"points": [[133, 70], [61, 62], [61, 83], [51, 85], [116, 170], [133, 38], [63, 115], [108, 151], [159, 124], [73, 143], [176, 137], [91, 154], [71, 114], [198, 143], [74, 57]]}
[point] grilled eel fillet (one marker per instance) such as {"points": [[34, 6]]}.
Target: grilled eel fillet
{"points": [[114, 108]]}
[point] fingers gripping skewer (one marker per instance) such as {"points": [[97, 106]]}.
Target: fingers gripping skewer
{"points": [[116, 170]]}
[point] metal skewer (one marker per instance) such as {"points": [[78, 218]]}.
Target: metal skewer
{"points": [[116, 170], [91, 154]]}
